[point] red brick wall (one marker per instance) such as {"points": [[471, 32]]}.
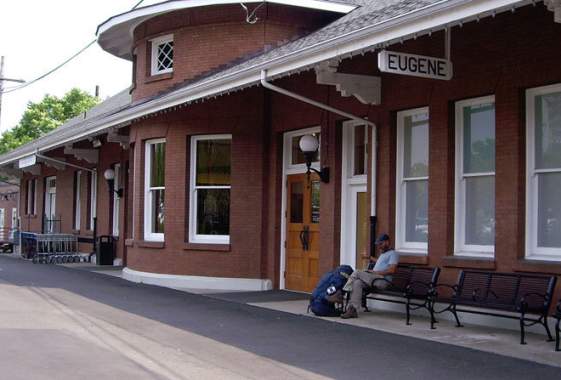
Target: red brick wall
{"points": [[209, 37]]}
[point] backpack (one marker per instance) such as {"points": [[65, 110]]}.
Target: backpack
{"points": [[334, 281]]}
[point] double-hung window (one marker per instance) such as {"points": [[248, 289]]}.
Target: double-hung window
{"points": [[154, 197], [412, 181], [210, 189], [116, 200], [92, 199], [543, 173], [475, 177], [162, 55], [77, 199]]}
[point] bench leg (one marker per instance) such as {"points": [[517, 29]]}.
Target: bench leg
{"points": [[408, 312], [522, 329], [430, 306], [557, 348], [453, 310], [546, 325], [365, 302]]}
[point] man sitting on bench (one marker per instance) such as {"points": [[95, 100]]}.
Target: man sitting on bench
{"points": [[385, 266]]}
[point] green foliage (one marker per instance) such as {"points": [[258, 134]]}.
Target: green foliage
{"points": [[45, 116]]}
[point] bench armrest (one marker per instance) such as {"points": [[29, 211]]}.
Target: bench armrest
{"points": [[523, 304], [453, 287], [409, 290]]}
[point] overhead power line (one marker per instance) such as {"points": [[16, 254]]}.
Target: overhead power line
{"points": [[7, 90]]}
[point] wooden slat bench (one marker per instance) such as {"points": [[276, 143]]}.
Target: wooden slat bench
{"points": [[410, 285], [518, 293]]}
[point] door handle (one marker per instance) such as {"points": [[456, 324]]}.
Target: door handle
{"points": [[305, 238]]}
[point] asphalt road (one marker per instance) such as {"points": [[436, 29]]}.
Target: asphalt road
{"points": [[64, 323]]}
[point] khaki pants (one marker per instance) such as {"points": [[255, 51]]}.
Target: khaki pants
{"points": [[360, 280]]}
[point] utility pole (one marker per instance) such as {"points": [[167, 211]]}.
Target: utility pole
{"points": [[2, 80]]}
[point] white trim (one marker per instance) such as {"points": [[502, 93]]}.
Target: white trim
{"points": [[155, 45], [193, 236], [460, 248], [51, 207], [289, 169], [78, 200], [533, 252], [401, 245], [148, 234], [93, 199], [14, 217], [197, 282], [116, 201], [2, 218]]}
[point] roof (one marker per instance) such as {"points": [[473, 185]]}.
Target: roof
{"points": [[115, 35], [372, 24]]}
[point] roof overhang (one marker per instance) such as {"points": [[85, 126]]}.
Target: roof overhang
{"points": [[116, 35]]}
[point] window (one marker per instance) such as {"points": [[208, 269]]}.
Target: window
{"points": [[210, 189], [162, 55], [92, 199], [475, 177], [31, 198], [412, 181], [77, 199], [2, 217], [154, 199], [14, 218], [543, 159], [116, 200]]}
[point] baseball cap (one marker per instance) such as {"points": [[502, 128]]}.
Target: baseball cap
{"points": [[382, 238]]}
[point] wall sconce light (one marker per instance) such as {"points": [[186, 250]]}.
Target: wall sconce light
{"points": [[309, 145], [96, 143], [109, 176]]}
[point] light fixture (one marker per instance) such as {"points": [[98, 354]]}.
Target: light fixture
{"points": [[96, 143], [309, 145], [109, 176]]}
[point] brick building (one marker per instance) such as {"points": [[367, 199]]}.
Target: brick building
{"points": [[9, 195], [439, 122]]}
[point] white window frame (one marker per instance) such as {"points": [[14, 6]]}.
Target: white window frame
{"points": [[14, 217], [460, 248], [402, 245], [193, 236], [148, 234], [32, 197], [533, 251], [93, 199], [291, 168], [351, 186], [116, 200], [156, 43], [77, 200]]}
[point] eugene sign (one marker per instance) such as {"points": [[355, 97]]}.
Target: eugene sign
{"points": [[414, 65]]}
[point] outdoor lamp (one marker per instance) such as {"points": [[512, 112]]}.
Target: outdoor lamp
{"points": [[109, 176], [309, 145]]}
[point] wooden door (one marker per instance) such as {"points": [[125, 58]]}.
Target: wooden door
{"points": [[302, 240]]}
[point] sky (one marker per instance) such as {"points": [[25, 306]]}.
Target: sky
{"points": [[37, 35]]}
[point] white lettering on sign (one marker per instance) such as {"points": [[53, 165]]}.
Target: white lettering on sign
{"points": [[27, 161], [414, 65]]}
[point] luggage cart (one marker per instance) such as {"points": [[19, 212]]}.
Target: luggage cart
{"points": [[51, 248]]}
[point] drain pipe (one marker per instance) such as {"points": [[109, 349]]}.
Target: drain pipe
{"points": [[303, 99]]}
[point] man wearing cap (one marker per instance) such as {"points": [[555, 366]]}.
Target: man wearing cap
{"points": [[385, 266]]}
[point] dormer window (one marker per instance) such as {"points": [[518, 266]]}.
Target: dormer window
{"points": [[162, 55]]}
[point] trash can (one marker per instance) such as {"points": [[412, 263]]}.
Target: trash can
{"points": [[105, 250]]}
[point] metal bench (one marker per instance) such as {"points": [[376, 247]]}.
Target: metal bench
{"points": [[507, 292], [558, 327], [410, 285]]}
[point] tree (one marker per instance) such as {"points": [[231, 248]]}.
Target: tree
{"points": [[45, 116]]}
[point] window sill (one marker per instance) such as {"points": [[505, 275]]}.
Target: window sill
{"points": [[537, 266], [158, 77], [150, 244], [30, 216], [407, 258], [129, 242], [75, 232], [207, 247], [88, 233], [468, 262]]}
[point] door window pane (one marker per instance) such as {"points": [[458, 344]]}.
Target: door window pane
{"points": [[548, 131], [297, 155], [297, 202], [479, 138], [360, 156], [315, 201], [213, 211], [480, 210], [549, 210], [158, 198], [416, 225], [416, 143], [158, 160], [213, 162]]}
